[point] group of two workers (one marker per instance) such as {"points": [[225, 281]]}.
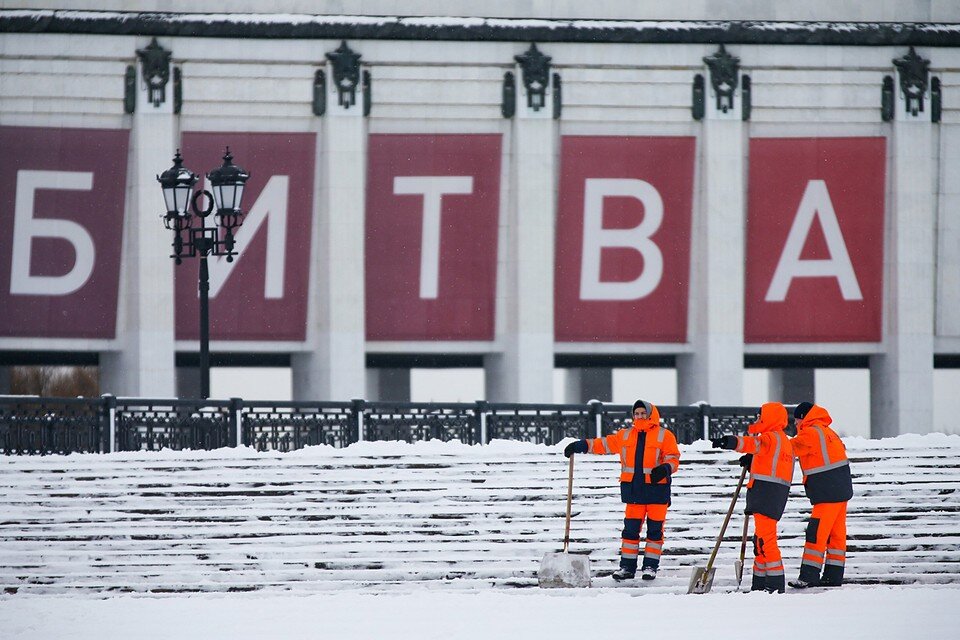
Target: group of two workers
{"points": [[649, 457]]}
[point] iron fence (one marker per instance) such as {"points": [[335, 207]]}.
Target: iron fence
{"points": [[31, 425], [287, 426], [34, 425]]}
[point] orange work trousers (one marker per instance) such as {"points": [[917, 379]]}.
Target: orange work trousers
{"points": [[825, 548], [655, 515], [767, 562]]}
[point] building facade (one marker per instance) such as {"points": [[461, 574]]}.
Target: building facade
{"points": [[533, 190]]}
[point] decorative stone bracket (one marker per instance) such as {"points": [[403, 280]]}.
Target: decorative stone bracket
{"points": [[538, 82], [915, 88], [155, 71]]}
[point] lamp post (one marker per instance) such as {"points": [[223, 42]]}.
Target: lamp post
{"points": [[192, 237]]}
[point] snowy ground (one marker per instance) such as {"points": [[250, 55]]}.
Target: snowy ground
{"points": [[855, 612], [74, 529]]}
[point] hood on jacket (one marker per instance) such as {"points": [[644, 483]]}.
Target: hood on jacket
{"points": [[817, 416], [650, 422], [773, 417]]}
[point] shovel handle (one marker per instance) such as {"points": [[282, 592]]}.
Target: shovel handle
{"points": [[743, 541], [743, 548], [566, 533], [726, 521]]}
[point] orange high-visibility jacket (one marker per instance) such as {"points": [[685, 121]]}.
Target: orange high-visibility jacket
{"points": [[770, 446], [771, 471], [660, 446], [823, 459]]}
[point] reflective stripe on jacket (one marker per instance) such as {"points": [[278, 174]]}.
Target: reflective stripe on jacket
{"points": [[823, 459], [771, 448], [771, 471], [660, 447]]}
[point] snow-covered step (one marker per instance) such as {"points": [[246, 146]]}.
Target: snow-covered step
{"points": [[378, 516]]}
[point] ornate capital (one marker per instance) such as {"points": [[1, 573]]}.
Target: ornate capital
{"points": [[155, 69], [724, 76], [346, 74], [914, 74], [536, 76]]}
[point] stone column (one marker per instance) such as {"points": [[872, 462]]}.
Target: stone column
{"points": [[144, 364], [901, 378], [334, 366], [791, 386], [188, 382], [523, 370], [589, 383], [713, 372], [388, 385]]}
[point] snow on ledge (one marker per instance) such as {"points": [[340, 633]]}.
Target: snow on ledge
{"points": [[433, 448], [294, 25]]}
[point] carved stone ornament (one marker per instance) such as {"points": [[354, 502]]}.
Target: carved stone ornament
{"points": [[536, 76], [155, 68], [914, 76], [346, 74], [724, 75]]}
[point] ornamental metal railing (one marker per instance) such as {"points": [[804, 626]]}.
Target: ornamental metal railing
{"points": [[36, 425]]}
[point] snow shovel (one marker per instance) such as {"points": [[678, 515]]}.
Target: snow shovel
{"points": [[738, 565], [563, 569], [702, 578]]}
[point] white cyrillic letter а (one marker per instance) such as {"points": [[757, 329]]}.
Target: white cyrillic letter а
{"points": [[815, 203]]}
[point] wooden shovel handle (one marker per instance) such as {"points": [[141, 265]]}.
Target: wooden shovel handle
{"points": [[743, 541], [566, 533], [726, 521]]}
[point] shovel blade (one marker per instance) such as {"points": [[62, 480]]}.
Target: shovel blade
{"points": [[701, 580], [558, 570], [738, 569]]}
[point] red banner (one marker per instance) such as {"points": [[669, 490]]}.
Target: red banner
{"points": [[61, 225], [262, 294], [623, 239], [815, 240], [431, 247]]}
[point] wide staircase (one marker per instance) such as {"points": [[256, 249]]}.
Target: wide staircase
{"points": [[386, 516]]}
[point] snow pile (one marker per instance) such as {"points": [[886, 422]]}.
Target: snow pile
{"points": [[564, 570]]}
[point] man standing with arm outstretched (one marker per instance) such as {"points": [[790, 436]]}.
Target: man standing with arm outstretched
{"points": [[769, 457]]}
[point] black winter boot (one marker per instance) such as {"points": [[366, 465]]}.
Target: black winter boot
{"points": [[775, 584], [832, 576], [809, 577], [624, 573]]}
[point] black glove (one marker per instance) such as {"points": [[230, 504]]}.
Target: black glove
{"points": [[724, 442], [746, 460], [659, 473], [577, 446]]}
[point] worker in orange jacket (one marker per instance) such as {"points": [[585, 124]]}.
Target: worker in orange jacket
{"points": [[829, 485], [769, 456], [648, 458]]}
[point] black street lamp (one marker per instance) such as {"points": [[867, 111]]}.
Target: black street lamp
{"points": [[192, 235]]}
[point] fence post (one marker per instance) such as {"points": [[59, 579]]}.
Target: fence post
{"points": [[108, 423], [358, 417], [705, 416], [481, 411], [596, 409], [236, 421]]}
